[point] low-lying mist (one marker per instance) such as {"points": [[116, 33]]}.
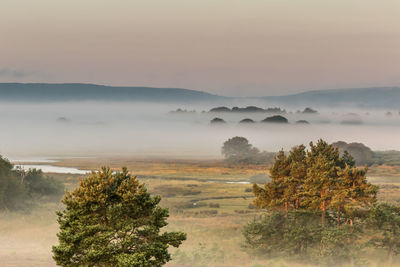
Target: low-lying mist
{"points": [[143, 129]]}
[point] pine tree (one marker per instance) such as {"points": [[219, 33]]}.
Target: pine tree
{"points": [[354, 192], [298, 172], [274, 194], [322, 162], [111, 220]]}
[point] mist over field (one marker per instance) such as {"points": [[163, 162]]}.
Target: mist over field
{"points": [[149, 129], [200, 133]]}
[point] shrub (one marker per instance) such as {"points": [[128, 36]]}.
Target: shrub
{"points": [[214, 205]]}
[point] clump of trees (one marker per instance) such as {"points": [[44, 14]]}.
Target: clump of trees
{"points": [[238, 150], [321, 209], [308, 110], [302, 122], [112, 220], [217, 121], [19, 187], [275, 119], [248, 109], [247, 121], [182, 111]]}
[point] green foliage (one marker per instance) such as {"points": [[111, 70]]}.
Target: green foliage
{"points": [[362, 155], [340, 245], [111, 219], [321, 209], [299, 236], [18, 187], [38, 184], [391, 158], [316, 180], [277, 234], [385, 220], [13, 193]]}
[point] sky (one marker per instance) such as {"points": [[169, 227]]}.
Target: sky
{"points": [[226, 47]]}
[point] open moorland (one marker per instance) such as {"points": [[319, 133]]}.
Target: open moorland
{"points": [[209, 200]]}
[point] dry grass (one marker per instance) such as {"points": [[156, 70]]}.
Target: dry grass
{"points": [[192, 169], [214, 231]]}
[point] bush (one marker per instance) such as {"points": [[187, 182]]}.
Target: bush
{"points": [[251, 206], [208, 212], [38, 184], [214, 205], [300, 237], [13, 193]]}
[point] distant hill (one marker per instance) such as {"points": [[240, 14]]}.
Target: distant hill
{"points": [[45, 92], [377, 97]]}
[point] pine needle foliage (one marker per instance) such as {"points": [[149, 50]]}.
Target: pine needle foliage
{"points": [[318, 180], [111, 220]]}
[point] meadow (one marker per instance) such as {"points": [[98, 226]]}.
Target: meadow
{"points": [[204, 198]]}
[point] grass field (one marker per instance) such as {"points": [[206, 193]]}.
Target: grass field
{"points": [[211, 211]]}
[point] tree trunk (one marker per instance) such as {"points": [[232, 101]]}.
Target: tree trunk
{"points": [[323, 209], [390, 255], [338, 216], [286, 208]]}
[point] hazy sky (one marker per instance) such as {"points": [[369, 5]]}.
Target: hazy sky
{"points": [[229, 47]]}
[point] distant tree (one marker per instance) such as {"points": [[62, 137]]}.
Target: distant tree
{"points": [[275, 119], [248, 109], [239, 150], [247, 121], [217, 121], [302, 122], [111, 220], [309, 111], [63, 119], [220, 109], [361, 154], [236, 147], [275, 110]]}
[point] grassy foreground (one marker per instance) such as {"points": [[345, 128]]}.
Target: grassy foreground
{"points": [[211, 211]]}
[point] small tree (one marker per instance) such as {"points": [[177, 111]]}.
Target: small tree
{"points": [[111, 220]]}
